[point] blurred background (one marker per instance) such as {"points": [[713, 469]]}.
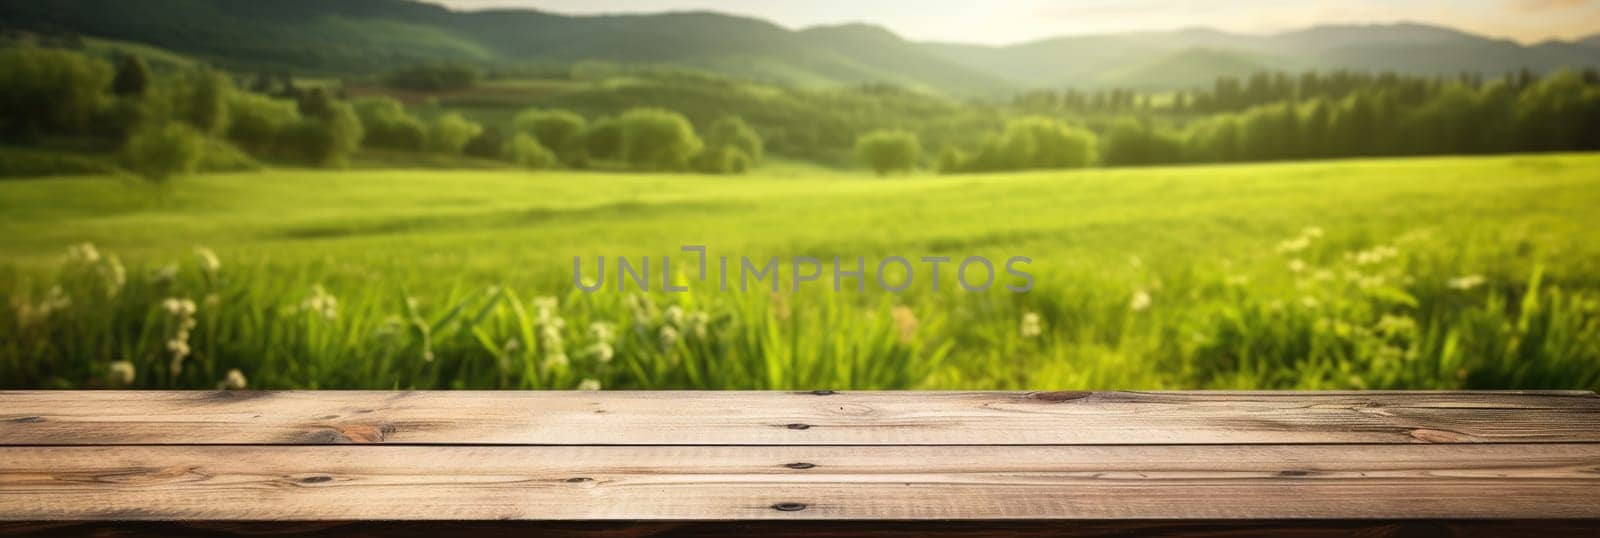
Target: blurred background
{"points": [[389, 194]]}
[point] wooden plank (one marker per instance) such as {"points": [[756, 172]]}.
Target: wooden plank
{"points": [[798, 482], [1291, 528], [821, 418]]}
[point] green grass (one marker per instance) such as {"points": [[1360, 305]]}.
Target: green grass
{"points": [[1147, 278]]}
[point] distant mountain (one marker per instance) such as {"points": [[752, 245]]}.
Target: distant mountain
{"points": [[365, 36], [1186, 68], [1198, 55]]}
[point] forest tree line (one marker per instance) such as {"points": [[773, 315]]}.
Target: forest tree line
{"points": [[1337, 116], [163, 122], [196, 118]]}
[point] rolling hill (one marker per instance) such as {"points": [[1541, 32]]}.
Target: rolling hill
{"points": [[365, 36]]}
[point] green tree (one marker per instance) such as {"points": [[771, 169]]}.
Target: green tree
{"points": [[952, 160], [257, 121], [1055, 144], [201, 100], [888, 151], [604, 139], [49, 91], [388, 125], [327, 133], [159, 152], [733, 132], [657, 139], [722, 160], [557, 130], [488, 145], [1133, 142], [132, 78], [1036, 143], [451, 133], [526, 151]]}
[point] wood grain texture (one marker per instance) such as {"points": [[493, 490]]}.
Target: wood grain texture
{"points": [[803, 418], [1302, 528], [289, 483]]}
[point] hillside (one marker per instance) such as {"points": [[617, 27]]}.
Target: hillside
{"points": [[365, 36], [1104, 60], [1196, 67]]}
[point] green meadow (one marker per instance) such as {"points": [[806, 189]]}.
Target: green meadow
{"points": [[1415, 273]]}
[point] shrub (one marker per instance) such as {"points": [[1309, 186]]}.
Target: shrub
{"points": [[387, 125], [258, 120], [733, 132], [558, 130], [952, 160], [159, 152], [451, 133], [604, 139], [201, 100], [132, 78], [489, 144], [526, 151], [220, 156], [45, 91], [324, 139], [722, 160], [1132, 142], [889, 151], [656, 139]]}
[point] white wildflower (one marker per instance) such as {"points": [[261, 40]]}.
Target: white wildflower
{"points": [[669, 337], [1294, 245], [121, 373], [1376, 254], [1140, 301], [1031, 326], [321, 303], [697, 323], [165, 275], [1468, 282], [556, 359], [602, 331], [179, 308], [207, 260], [84, 253], [233, 381], [545, 309], [589, 384], [1395, 326], [905, 324], [601, 352], [181, 311], [114, 275]]}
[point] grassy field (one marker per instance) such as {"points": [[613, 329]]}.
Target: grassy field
{"points": [[1411, 273]]}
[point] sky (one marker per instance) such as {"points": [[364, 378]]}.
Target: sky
{"points": [[999, 22]]}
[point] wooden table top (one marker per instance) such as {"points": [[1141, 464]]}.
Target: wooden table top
{"points": [[717, 456]]}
